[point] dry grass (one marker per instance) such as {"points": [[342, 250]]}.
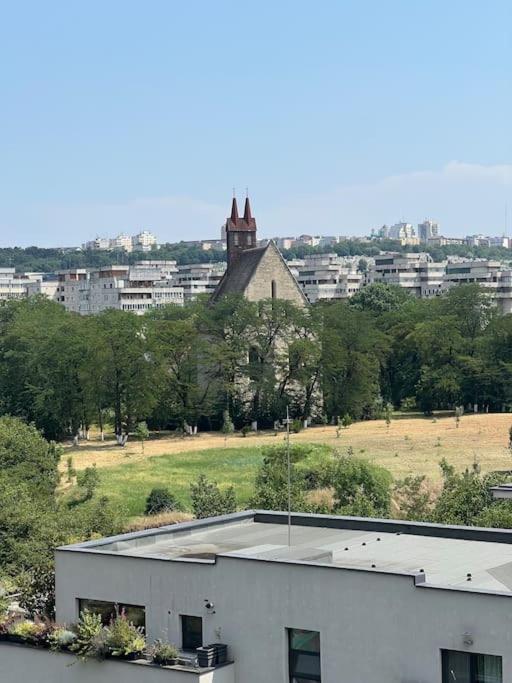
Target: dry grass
{"points": [[407, 446], [155, 521]]}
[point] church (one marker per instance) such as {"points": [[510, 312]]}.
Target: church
{"points": [[255, 272]]}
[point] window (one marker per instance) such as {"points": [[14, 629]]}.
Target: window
{"points": [[191, 632], [273, 289], [465, 667], [304, 656], [108, 610]]}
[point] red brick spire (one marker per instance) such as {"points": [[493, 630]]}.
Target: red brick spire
{"points": [[247, 210], [234, 211]]}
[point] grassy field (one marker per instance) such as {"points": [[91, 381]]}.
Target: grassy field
{"points": [[407, 446]]}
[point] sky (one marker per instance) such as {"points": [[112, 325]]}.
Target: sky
{"points": [[338, 116]]}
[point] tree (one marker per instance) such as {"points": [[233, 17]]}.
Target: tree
{"points": [[271, 485], [88, 480], [353, 355], [414, 498], [142, 433], [355, 480], [379, 298], [209, 501]]}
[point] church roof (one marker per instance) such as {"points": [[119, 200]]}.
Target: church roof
{"points": [[239, 274]]}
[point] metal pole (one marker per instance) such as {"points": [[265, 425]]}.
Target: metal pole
{"points": [[289, 477]]}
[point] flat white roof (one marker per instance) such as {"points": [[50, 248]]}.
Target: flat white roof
{"points": [[459, 558]]}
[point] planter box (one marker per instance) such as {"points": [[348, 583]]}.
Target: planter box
{"points": [[221, 652], [206, 656]]}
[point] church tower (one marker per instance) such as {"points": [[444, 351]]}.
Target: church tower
{"points": [[240, 232]]}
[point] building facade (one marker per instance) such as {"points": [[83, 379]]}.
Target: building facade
{"points": [[328, 599]]}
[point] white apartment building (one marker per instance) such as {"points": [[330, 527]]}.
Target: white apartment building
{"points": [[45, 286], [13, 285], [127, 288], [143, 241], [327, 276], [427, 230], [401, 231], [415, 272], [489, 274], [326, 600], [199, 278]]}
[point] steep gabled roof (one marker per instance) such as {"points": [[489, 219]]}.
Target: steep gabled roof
{"points": [[238, 275]]}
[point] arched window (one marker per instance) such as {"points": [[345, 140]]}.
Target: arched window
{"points": [[273, 289]]}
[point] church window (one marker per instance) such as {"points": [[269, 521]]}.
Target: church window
{"points": [[235, 239], [273, 289]]}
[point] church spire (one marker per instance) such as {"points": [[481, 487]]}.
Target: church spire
{"points": [[234, 210], [247, 210]]}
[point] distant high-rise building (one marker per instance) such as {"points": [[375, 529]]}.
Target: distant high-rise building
{"points": [[402, 231], [427, 230]]}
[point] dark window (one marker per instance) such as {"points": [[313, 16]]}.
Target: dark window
{"points": [[191, 632], [465, 667], [304, 656], [108, 611], [273, 289]]}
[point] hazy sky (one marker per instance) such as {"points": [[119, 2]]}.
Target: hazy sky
{"points": [[339, 115]]}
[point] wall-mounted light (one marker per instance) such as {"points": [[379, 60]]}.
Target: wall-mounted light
{"points": [[467, 639]]}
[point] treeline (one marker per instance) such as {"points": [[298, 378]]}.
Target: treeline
{"points": [[37, 259], [240, 361]]}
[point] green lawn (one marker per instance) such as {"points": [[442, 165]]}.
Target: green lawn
{"points": [[130, 483]]}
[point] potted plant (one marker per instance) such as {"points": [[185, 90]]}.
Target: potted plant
{"points": [[60, 639], [89, 641], [123, 639], [26, 632], [162, 653]]}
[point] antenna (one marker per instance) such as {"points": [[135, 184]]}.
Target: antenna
{"points": [[247, 192], [234, 192], [289, 477]]}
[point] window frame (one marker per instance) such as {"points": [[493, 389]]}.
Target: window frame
{"points": [[117, 607], [472, 656], [292, 675], [185, 645]]}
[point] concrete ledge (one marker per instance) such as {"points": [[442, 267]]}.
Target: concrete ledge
{"points": [[25, 663]]}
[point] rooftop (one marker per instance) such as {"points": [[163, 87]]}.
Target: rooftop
{"points": [[457, 558]]}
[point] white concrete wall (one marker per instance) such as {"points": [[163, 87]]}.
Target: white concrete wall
{"points": [[18, 664], [374, 627]]}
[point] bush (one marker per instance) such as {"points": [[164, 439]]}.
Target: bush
{"points": [[36, 588], [122, 638], [160, 500], [227, 423], [61, 638], [245, 430], [27, 630], [89, 643], [209, 501], [362, 488], [346, 420], [163, 653], [296, 426], [88, 480]]}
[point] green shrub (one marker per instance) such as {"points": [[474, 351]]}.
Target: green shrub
{"points": [[245, 430], [209, 501], [88, 643], [28, 630], [122, 638], [361, 486], [227, 423], [346, 420], [61, 638], [160, 500], [88, 480], [296, 426], [163, 653]]}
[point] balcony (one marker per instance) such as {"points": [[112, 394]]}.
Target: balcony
{"points": [[20, 662]]}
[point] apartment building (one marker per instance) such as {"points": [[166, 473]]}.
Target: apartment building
{"points": [[415, 272], [13, 285], [427, 230], [128, 288], [327, 276], [492, 275], [142, 241], [327, 599], [199, 278]]}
